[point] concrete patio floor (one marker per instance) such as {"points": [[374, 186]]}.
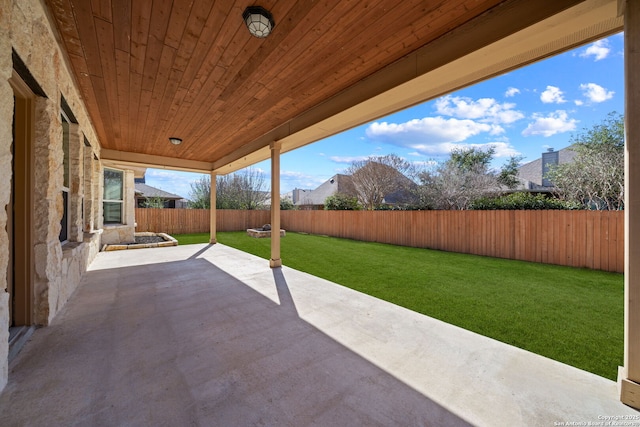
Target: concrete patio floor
{"points": [[208, 335]]}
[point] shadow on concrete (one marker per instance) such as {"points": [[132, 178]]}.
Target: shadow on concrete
{"points": [[284, 295], [185, 343], [201, 251]]}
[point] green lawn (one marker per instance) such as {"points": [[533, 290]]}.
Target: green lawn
{"points": [[571, 315], [190, 239]]}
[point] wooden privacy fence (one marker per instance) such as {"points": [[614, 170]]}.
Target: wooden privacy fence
{"points": [[186, 221], [592, 239]]}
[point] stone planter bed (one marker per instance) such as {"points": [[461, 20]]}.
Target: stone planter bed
{"points": [[144, 240], [259, 232]]}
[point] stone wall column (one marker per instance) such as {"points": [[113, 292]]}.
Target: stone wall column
{"points": [[275, 260], [88, 190], [47, 203], [212, 209], [6, 138], [630, 373], [127, 233], [129, 198], [98, 185], [76, 180]]}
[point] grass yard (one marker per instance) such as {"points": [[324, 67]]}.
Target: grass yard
{"points": [[571, 315], [191, 239]]}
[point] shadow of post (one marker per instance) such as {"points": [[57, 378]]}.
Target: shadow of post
{"points": [[284, 294], [201, 251]]}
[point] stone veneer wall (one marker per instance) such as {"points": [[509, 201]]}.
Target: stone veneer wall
{"points": [[27, 29], [6, 136]]}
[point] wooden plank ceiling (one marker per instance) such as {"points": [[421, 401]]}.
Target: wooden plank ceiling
{"points": [[149, 70]]}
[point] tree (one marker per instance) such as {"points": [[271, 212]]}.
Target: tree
{"points": [[287, 205], [239, 190], [595, 178], [377, 177], [472, 159], [341, 202], [200, 194], [465, 177], [452, 188], [508, 175], [154, 202]]}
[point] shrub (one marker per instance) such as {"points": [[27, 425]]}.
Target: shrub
{"points": [[286, 205], [341, 202], [523, 201]]}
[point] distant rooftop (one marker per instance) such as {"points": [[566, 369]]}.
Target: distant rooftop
{"points": [[144, 190], [532, 172], [336, 184]]}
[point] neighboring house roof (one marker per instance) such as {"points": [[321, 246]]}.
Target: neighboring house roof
{"points": [[531, 174], [336, 184], [144, 190], [343, 184]]}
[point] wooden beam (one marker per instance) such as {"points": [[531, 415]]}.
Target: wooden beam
{"points": [[151, 161]]}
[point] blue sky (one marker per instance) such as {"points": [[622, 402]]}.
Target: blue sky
{"points": [[523, 112]]}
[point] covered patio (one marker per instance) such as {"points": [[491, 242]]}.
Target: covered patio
{"points": [[208, 335]]}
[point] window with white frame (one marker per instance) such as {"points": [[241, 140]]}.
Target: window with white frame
{"points": [[112, 199]]}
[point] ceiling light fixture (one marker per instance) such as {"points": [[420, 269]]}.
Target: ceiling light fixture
{"points": [[259, 21], [175, 141]]}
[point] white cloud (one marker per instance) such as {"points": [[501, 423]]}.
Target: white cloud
{"points": [[293, 174], [486, 110], [293, 179], [578, 102], [512, 91], [258, 170], [596, 93], [438, 149], [496, 130], [598, 50], [433, 129], [552, 95], [435, 136], [504, 149], [161, 174], [347, 159], [553, 123]]}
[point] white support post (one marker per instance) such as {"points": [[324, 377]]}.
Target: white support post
{"points": [[630, 374], [275, 260], [212, 209]]}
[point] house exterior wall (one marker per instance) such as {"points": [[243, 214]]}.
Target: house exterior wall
{"points": [[6, 115], [57, 267], [125, 232]]}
